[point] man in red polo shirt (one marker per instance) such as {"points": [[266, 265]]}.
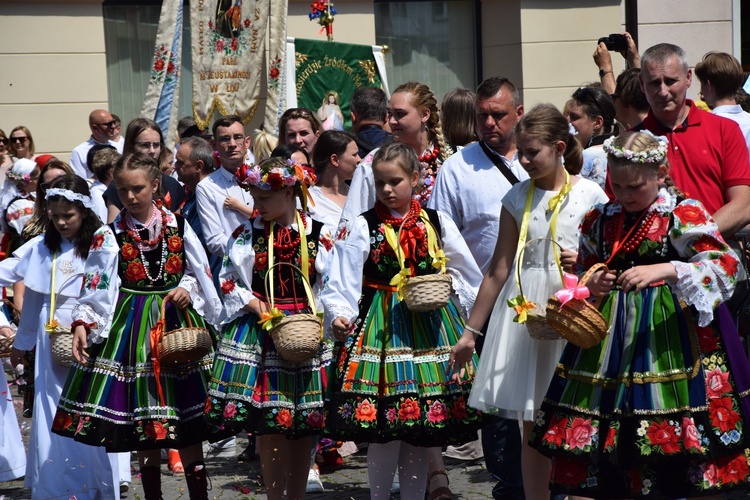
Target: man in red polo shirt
{"points": [[707, 154]]}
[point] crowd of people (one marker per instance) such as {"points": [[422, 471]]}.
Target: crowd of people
{"points": [[477, 199]]}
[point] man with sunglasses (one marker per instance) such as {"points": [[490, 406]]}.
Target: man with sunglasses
{"points": [[708, 157], [103, 131]]}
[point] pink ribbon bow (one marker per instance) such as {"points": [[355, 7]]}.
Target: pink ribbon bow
{"points": [[571, 290]]}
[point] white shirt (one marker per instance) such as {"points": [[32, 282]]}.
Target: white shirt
{"points": [[734, 112], [97, 190], [78, 156], [469, 188], [217, 221]]}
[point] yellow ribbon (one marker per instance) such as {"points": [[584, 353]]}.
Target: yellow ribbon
{"points": [[52, 325], [521, 305], [560, 197], [270, 318], [438, 255]]}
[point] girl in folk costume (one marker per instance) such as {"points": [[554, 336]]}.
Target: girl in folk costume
{"points": [[52, 268], [515, 368], [655, 409], [390, 381], [17, 203], [253, 387], [414, 119], [118, 395]]}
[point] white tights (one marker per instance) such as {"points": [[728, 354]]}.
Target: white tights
{"points": [[412, 469]]}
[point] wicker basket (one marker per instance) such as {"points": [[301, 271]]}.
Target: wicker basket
{"points": [[296, 337], [61, 345], [183, 345], [428, 292], [536, 320], [578, 321], [6, 345]]}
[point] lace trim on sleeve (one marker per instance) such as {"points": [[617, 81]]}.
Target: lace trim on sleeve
{"points": [[465, 292], [99, 325], [332, 312], [236, 300], [688, 288]]}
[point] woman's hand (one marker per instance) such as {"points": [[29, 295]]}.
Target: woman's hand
{"points": [[340, 327], [6, 332], [80, 345], [17, 357], [233, 203], [601, 283], [568, 259], [179, 297], [462, 352], [639, 277]]}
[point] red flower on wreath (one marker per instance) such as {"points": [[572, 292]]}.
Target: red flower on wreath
{"points": [[733, 471], [174, 244], [159, 65], [284, 418], [227, 286], [409, 410], [690, 214], [722, 414], [135, 271], [155, 430], [275, 180], [555, 433], [62, 421], [129, 252], [173, 265], [366, 411], [459, 409], [664, 435], [568, 471], [707, 339]]}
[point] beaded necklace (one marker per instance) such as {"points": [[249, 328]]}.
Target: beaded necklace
{"points": [[429, 171], [284, 244], [134, 234], [635, 235], [384, 214]]}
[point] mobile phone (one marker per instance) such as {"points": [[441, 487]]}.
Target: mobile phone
{"points": [[615, 42]]}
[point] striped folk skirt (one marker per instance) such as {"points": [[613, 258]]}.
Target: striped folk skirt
{"points": [[113, 400]]}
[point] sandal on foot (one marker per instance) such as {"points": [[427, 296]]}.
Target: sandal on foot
{"points": [[441, 492], [175, 463]]}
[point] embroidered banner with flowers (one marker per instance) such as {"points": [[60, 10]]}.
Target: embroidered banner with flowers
{"points": [[323, 68], [228, 50]]}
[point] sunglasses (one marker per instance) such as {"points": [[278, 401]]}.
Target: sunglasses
{"points": [[585, 94], [108, 124], [19, 139], [4, 141]]}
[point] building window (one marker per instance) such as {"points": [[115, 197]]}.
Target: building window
{"points": [[130, 35], [432, 42]]}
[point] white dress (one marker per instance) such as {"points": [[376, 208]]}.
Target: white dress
{"points": [[515, 370], [12, 452], [57, 467], [324, 210]]}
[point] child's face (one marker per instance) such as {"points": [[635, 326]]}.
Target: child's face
{"points": [[537, 158], [272, 205], [66, 217], [394, 186], [636, 187], [136, 192]]}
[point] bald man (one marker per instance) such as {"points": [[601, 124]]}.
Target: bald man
{"points": [[103, 131]]}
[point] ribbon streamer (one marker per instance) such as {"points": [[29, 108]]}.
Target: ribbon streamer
{"points": [[571, 290]]}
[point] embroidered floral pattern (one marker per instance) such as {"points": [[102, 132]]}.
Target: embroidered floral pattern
{"points": [[96, 281], [133, 269]]}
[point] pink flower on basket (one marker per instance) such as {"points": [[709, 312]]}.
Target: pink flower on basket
{"points": [[717, 383], [230, 410], [437, 413], [315, 419], [580, 433]]}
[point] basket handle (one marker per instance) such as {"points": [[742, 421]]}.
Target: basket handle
{"points": [[305, 283], [163, 313], [519, 260]]}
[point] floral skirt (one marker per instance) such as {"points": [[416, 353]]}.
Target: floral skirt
{"points": [[391, 380], [652, 410], [113, 400], [254, 389]]}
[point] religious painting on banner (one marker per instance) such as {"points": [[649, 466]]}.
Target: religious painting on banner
{"points": [[328, 73], [228, 51]]}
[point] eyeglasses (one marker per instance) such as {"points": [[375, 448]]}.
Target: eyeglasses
{"points": [[226, 139], [148, 145], [108, 124], [4, 141], [19, 139]]}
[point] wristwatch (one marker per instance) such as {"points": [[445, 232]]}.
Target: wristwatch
{"points": [[602, 72]]}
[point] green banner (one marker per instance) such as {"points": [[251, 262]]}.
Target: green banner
{"points": [[332, 68]]}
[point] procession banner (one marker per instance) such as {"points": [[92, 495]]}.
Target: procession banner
{"points": [[160, 103], [275, 75], [228, 46], [323, 68]]}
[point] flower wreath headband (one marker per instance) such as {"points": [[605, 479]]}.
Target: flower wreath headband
{"points": [[655, 155], [271, 176], [71, 197]]}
